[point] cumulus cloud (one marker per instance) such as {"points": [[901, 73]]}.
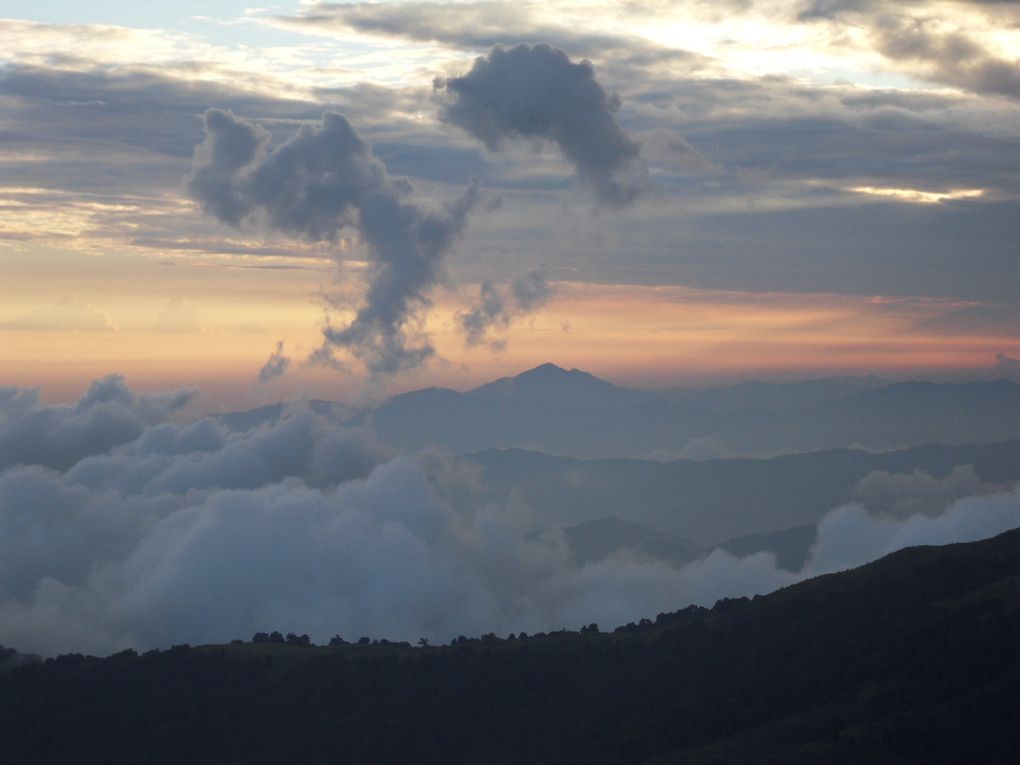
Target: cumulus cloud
{"points": [[107, 415], [851, 536], [918, 493], [69, 315], [497, 307], [537, 92], [319, 182], [276, 365]]}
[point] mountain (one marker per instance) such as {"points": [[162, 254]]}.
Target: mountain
{"points": [[550, 384], [776, 397], [791, 547], [11, 660], [576, 414], [711, 502], [911, 659]]}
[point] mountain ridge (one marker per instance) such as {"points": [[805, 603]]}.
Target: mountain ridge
{"points": [[911, 658]]}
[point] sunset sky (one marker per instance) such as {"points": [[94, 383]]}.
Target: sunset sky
{"points": [[823, 187]]}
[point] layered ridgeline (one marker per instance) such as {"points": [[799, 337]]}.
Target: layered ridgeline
{"points": [[714, 501], [909, 659], [573, 413]]}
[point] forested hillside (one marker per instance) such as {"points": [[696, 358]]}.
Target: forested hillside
{"points": [[910, 659]]}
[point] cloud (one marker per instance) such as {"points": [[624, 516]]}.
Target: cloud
{"points": [[952, 57], [69, 315], [123, 136], [276, 365], [178, 315], [1007, 365], [918, 493], [497, 308], [471, 25], [107, 415], [320, 181], [833, 8], [851, 536], [537, 92], [939, 45]]}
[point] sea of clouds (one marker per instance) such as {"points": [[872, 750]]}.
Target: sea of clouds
{"points": [[123, 526]]}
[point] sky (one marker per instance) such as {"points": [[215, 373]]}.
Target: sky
{"points": [[348, 199]]}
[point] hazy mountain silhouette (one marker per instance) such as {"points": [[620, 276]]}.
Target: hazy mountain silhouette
{"points": [[766, 396], [574, 413], [550, 384], [711, 502]]}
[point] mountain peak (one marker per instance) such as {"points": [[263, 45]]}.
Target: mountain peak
{"points": [[550, 371], [552, 384], [546, 368]]}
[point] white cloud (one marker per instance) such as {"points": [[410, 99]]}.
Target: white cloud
{"points": [[68, 315]]}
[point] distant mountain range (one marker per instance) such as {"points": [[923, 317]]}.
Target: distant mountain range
{"points": [[712, 502], [911, 659], [544, 435], [573, 413]]}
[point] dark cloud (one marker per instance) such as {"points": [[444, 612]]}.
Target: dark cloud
{"points": [[471, 25], [827, 9], [923, 41], [496, 308], [867, 247], [230, 146], [322, 180], [276, 365], [954, 58], [122, 137], [537, 92]]}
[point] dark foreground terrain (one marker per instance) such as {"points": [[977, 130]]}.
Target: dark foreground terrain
{"points": [[914, 658]]}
